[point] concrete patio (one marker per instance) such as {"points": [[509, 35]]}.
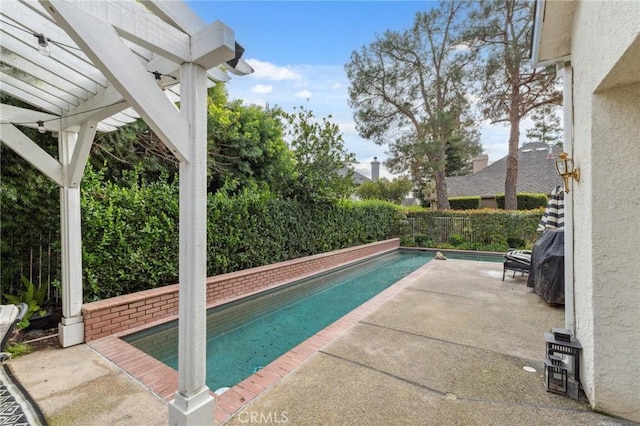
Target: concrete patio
{"points": [[448, 349]]}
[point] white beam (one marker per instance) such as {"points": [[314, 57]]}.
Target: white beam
{"points": [[34, 90], [44, 74], [96, 108], [27, 149], [176, 13], [75, 168], [31, 99], [40, 86], [213, 45], [70, 59], [105, 48], [69, 70], [134, 23], [193, 403], [28, 117]]}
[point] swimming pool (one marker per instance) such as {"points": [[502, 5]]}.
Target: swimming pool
{"points": [[246, 335]]}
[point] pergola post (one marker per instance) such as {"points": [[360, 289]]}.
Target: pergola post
{"points": [[71, 328], [193, 403]]}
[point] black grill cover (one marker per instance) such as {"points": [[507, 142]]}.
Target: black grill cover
{"points": [[546, 274]]}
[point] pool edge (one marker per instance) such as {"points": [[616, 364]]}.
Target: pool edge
{"points": [[162, 380]]}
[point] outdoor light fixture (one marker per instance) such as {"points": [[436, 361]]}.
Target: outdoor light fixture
{"points": [[43, 44], [41, 128], [555, 375], [564, 167], [163, 84], [562, 365]]}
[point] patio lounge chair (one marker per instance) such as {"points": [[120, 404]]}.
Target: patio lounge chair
{"points": [[517, 261], [10, 315]]}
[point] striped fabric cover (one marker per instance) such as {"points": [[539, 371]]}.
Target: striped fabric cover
{"points": [[554, 213]]}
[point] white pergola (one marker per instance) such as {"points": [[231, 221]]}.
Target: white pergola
{"points": [[105, 64]]}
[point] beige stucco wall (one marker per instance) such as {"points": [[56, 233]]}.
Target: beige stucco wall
{"points": [[606, 146]]}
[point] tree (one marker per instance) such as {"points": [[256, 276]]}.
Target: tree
{"points": [[546, 126], [410, 90], [393, 191], [510, 87], [245, 145], [321, 161]]}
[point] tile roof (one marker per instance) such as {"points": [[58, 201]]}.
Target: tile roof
{"points": [[536, 174]]}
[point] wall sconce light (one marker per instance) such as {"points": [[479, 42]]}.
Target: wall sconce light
{"points": [[41, 128], [564, 167]]}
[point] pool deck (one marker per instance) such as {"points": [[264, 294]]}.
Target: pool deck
{"points": [[446, 345]]}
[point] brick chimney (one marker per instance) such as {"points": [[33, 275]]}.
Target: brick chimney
{"points": [[375, 169], [480, 162]]}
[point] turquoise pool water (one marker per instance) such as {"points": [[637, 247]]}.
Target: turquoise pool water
{"points": [[246, 335]]}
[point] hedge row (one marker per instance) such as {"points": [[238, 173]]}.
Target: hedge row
{"points": [[130, 233], [487, 229], [526, 200], [464, 203]]}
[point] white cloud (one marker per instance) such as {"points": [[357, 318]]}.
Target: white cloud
{"points": [[323, 90], [304, 94], [262, 89], [269, 71]]}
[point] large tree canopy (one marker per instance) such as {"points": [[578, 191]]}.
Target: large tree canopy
{"points": [[321, 159], [510, 86], [393, 191], [410, 90]]}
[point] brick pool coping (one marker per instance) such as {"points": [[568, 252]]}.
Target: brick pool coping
{"points": [[163, 380], [132, 312]]}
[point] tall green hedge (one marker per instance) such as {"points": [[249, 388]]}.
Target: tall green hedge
{"points": [[526, 200], [130, 232], [464, 203], [487, 229]]}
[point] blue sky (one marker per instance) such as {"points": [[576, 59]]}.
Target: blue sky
{"points": [[299, 48]]}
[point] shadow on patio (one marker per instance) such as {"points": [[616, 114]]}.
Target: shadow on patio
{"points": [[448, 349]]}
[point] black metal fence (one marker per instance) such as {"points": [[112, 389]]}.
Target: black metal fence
{"points": [[37, 257]]}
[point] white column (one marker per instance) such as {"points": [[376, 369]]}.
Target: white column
{"points": [[71, 328], [567, 119], [193, 403]]}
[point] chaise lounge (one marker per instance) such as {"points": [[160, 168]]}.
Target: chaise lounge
{"points": [[10, 315], [517, 261]]}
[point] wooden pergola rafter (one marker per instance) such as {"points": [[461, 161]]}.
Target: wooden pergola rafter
{"points": [[108, 64]]}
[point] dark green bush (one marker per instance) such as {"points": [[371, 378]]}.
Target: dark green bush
{"points": [[464, 203], [526, 201], [130, 231], [423, 240], [456, 239], [486, 230]]}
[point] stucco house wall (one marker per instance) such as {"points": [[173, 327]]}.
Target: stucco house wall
{"points": [[606, 146]]}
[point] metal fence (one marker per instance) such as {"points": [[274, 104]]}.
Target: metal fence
{"points": [[33, 256], [441, 230]]}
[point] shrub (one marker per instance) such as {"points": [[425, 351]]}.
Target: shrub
{"points": [[130, 231], [423, 241], [456, 239], [487, 229], [526, 201], [464, 203], [407, 242]]}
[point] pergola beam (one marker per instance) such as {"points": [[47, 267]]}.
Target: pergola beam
{"points": [[107, 51], [27, 149], [134, 23], [75, 168]]}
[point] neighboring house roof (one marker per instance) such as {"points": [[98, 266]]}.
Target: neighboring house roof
{"points": [[358, 177], [536, 174]]}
